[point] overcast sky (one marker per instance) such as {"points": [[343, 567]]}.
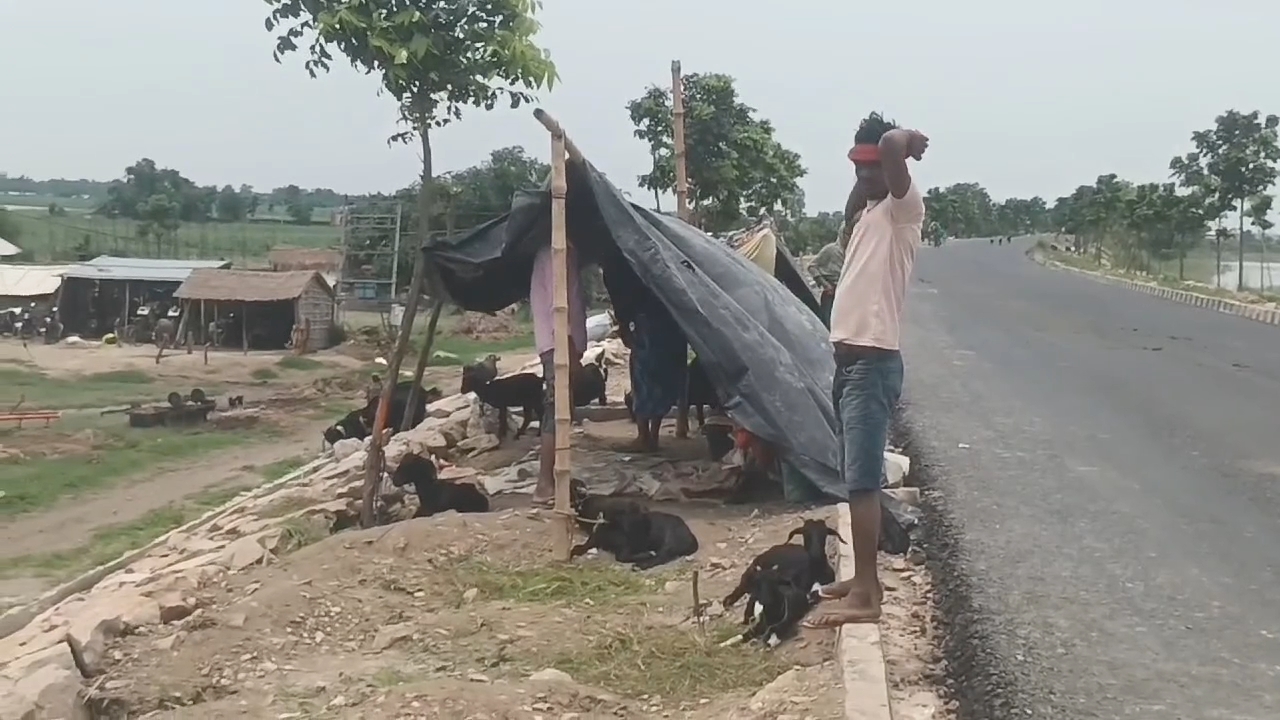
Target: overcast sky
{"points": [[1024, 97]]}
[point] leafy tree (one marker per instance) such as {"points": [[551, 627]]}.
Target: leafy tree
{"points": [[230, 206], [1259, 209], [436, 58], [250, 199], [158, 219], [300, 212], [736, 168], [143, 180], [808, 233], [56, 210], [1235, 159]]}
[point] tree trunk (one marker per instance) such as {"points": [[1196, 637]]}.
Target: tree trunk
{"points": [[424, 355], [373, 463], [1217, 254], [1182, 259], [1240, 251]]}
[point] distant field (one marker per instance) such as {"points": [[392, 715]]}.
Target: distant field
{"points": [[56, 238]]}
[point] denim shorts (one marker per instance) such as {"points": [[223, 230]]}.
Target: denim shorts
{"points": [[865, 392]]}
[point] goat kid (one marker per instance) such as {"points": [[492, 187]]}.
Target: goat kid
{"points": [[435, 496], [804, 566], [783, 605], [523, 390], [643, 539]]}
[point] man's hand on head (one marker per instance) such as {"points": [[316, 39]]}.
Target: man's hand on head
{"points": [[917, 143]]}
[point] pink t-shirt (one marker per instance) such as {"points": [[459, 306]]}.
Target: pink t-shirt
{"points": [[542, 302], [867, 309]]}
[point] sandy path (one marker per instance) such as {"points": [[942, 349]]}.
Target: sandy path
{"points": [[71, 522]]}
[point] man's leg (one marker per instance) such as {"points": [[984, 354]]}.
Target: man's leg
{"points": [[866, 393], [655, 427], [546, 489]]}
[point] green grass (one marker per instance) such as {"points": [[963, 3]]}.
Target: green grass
{"points": [[35, 483], [677, 663], [55, 238], [1199, 272], [466, 349], [264, 374], [103, 389], [280, 468], [112, 541], [296, 362], [594, 583]]}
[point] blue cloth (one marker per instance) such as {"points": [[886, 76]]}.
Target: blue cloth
{"points": [[865, 393], [659, 362]]}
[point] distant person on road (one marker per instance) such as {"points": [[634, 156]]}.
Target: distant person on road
{"points": [[825, 268], [865, 334], [541, 307]]}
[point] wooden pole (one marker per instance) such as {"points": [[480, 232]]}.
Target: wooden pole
{"points": [[682, 211], [560, 312], [244, 326], [424, 356], [374, 461]]}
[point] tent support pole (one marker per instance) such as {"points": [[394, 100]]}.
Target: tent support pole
{"points": [[560, 312], [682, 212]]}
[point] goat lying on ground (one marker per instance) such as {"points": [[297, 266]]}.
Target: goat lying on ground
{"points": [[783, 605], [632, 534], [523, 391], [235, 401], [435, 496], [590, 509], [359, 423], [804, 566]]}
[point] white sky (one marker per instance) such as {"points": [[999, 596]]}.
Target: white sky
{"points": [[1024, 97]]}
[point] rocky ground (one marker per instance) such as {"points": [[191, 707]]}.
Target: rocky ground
{"points": [[265, 612]]}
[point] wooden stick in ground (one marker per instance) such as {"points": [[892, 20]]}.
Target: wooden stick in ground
{"points": [[424, 355], [560, 313], [682, 211], [373, 462]]}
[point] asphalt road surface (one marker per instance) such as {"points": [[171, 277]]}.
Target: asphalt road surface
{"points": [[1105, 466]]}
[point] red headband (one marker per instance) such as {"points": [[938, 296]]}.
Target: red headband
{"points": [[865, 153]]}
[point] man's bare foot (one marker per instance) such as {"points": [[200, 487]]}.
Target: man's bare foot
{"points": [[544, 497], [856, 607], [636, 446], [838, 590]]}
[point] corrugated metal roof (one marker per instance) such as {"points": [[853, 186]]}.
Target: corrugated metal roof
{"points": [[106, 267], [247, 285], [30, 280]]}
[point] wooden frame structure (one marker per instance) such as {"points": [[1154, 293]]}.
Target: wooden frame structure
{"points": [[561, 148], [682, 209]]}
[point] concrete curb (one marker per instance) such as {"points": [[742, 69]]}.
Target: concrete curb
{"points": [[17, 618], [858, 648], [1265, 315]]}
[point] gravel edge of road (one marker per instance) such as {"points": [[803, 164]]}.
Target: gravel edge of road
{"points": [[977, 675]]}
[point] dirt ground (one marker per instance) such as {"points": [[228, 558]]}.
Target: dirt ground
{"points": [[455, 617]]}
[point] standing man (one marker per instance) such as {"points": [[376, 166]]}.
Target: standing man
{"points": [[865, 332], [541, 308]]}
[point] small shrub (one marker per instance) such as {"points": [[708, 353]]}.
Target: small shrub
{"points": [[264, 374], [297, 362]]}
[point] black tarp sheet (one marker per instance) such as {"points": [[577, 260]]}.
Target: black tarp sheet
{"points": [[765, 350]]}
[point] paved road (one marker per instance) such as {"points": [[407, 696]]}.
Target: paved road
{"points": [[1106, 467]]}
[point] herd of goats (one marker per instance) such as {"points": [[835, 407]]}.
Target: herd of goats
{"points": [[781, 584]]}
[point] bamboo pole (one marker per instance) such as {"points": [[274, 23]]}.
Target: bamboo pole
{"points": [[682, 210], [560, 313]]}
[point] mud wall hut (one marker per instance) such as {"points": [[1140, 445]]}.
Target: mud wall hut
{"points": [[21, 285], [259, 310], [107, 291]]}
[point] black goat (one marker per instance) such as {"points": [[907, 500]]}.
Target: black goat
{"points": [[359, 423], [351, 426], [644, 539], [589, 385], [783, 604], [435, 496], [523, 390], [590, 509], [804, 566]]}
